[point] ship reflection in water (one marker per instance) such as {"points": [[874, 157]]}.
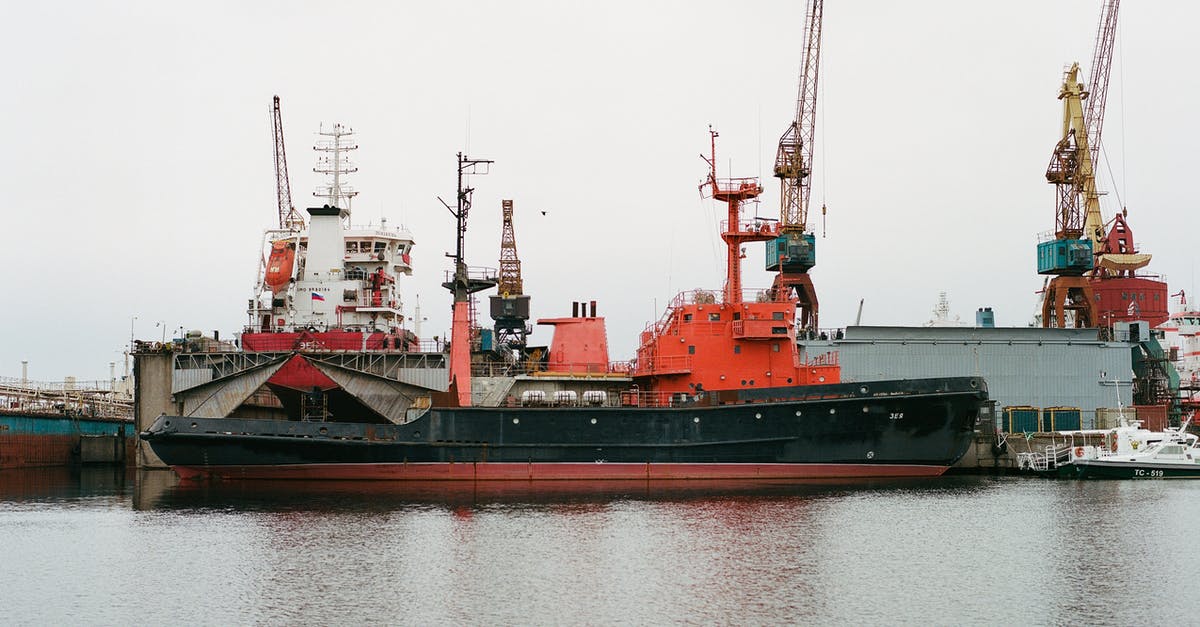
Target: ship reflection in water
{"points": [[163, 490], [958, 549]]}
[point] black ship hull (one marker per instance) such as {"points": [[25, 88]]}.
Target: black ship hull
{"points": [[871, 429]]}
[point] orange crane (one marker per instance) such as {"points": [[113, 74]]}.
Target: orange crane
{"points": [[1069, 258], [793, 253], [289, 218], [510, 308]]}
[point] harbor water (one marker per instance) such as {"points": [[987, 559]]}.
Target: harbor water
{"points": [[106, 547]]}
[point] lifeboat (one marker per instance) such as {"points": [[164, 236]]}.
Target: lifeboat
{"points": [[279, 265]]}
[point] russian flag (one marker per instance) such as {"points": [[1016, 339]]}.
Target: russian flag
{"points": [[318, 296]]}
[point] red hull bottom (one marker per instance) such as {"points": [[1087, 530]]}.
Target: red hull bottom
{"points": [[558, 471]]}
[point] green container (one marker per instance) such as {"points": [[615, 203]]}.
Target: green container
{"points": [[1021, 419], [1061, 419]]}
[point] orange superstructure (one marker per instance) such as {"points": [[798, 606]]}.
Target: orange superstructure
{"points": [[704, 344], [707, 341]]}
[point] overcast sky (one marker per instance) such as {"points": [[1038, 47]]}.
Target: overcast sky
{"points": [[139, 175]]}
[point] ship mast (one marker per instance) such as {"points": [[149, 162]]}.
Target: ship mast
{"points": [[733, 192], [462, 283], [334, 162]]}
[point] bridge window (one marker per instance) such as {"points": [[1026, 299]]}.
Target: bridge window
{"points": [[692, 349], [737, 349], [687, 317], [714, 317], [777, 315]]}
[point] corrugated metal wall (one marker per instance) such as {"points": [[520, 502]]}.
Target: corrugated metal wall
{"points": [[1022, 366]]}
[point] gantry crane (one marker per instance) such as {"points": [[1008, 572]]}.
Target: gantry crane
{"points": [[289, 218], [1079, 227], [793, 253], [510, 308]]}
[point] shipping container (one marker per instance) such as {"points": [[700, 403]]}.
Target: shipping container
{"points": [[1021, 419], [1110, 418], [1061, 419], [1153, 417]]}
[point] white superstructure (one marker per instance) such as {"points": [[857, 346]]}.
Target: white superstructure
{"points": [[332, 276]]}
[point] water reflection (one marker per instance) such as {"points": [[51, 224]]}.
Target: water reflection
{"points": [[960, 550], [58, 483], [163, 490]]}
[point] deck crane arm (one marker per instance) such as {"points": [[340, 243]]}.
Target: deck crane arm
{"points": [[289, 218], [793, 159], [794, 253], [1093, 119], [1079, 227]]}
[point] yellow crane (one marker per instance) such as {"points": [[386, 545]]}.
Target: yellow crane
{"points": [[1079, 228], [793, 253]]}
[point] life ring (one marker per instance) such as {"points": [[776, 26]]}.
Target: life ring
{"points": [[1078, 451], [1114, 442], [157, 346]]}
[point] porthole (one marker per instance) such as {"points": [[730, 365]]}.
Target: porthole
{"points": [[832, 410], [193, 425], [797, 412], [323, 431], [696, 419], [593, 421], [863, 389], [516, 421], [866, 409], [758, 416]]}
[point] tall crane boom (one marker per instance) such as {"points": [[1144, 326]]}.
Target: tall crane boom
{"points": [[793, 159], [794, 252], [288, 217], [1079, 227], [510, 307], [1106, 37], [510, 265]]}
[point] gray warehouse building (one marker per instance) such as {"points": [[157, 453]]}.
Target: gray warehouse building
{"points": [[1023, 366]]}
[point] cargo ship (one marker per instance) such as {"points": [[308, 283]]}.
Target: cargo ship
{"points": [[719, 388]]}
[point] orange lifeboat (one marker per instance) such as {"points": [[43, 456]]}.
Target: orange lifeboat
{"points": [[279, 265]]}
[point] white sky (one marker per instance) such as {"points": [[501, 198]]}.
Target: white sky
{"points": [[139, 176]]}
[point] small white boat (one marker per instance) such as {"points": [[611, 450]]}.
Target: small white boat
{"points": [[1139, 454], [1127, 452]]}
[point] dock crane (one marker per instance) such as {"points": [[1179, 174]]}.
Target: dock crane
{"points": [[793, 253], [1069, 258], [510, 307], [289, 218]]}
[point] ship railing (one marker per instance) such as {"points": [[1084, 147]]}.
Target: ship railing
{"points": [[824, 359], [764, 227], [475, 273], [701, 296], [741, 184], [661, 364], [282, 343], [821, 334], [616, 369], [624, 398]]}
